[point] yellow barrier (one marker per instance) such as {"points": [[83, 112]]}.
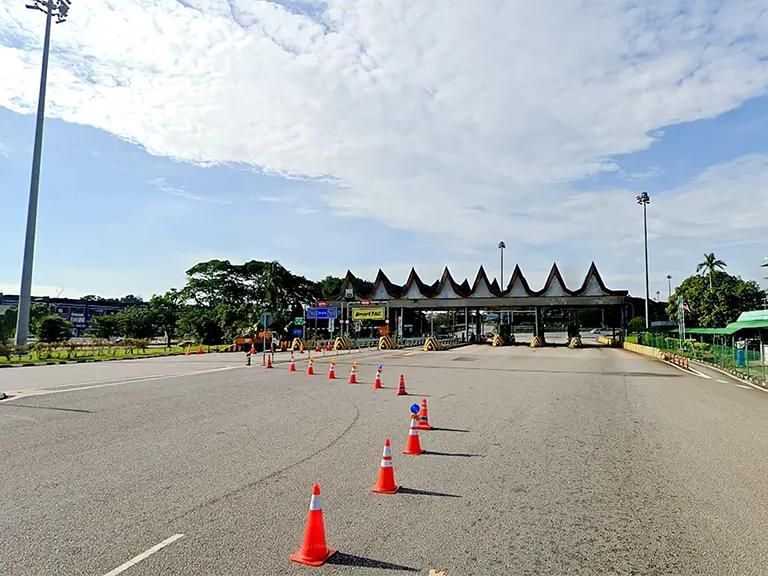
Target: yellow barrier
{"points": [[497, 341], [386, 343], [644, 350], [575, 342], [298, 343], [431, 344], [537, 342], [342, 343]]}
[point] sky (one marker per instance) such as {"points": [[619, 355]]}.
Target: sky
{"points": [[367, 134]]}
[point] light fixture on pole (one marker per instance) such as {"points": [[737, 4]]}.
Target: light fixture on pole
{"points": [[657, 295], [58, 9], [643, 199], [669, 281]]}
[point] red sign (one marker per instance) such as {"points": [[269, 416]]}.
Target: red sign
{"points": [[365, 302], [321, 304]]}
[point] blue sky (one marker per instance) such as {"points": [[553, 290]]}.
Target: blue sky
{"points": [[331, 136]]}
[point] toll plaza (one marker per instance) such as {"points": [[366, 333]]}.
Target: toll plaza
{"points": [[397, 306]]}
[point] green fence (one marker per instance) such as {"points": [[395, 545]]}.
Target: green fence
{"points": [[746, 361]]}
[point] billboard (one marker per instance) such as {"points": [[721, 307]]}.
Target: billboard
{"points": [[368, 314]]}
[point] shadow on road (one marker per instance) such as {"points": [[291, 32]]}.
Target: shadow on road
{"points": [[416, 492], [341, 559], [461, 454], [47, 408], [448, 429]]}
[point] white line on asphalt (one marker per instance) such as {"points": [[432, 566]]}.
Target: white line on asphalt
{"points": [[742, 386], [722, 382], [34, 392], [136, 559], [700, 374]]}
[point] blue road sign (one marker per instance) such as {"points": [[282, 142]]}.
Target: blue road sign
{"points": [[298, 331], [322, 313], [415, 408]]}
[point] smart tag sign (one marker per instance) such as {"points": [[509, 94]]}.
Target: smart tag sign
{"points": [[415, 408]]}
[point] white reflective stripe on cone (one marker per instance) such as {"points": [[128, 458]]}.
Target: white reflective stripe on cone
{"points": [[314, 504], [387, 452], [386, 463]]}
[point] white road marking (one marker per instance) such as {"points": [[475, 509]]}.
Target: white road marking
{"points": [[742, 386], [43, 392], [136, 559], [722, 382], [701, 374], [691, 371]]}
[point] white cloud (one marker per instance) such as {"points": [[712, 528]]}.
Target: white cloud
{"points": [[466, 118], [160, 184], [4, 150], [270, 199]]}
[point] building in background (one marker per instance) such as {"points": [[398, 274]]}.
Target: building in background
{"points": [[79, 312]]}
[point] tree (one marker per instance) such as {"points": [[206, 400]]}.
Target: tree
{"points": [[136, 322], [715, 308], [166, 310], [54, 329], [106, 327], [329, 287], [8, 324], [38, 312], [709, 265], [202, 324], [637, 324], [131, 299]]}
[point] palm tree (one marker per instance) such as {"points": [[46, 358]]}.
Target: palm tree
{"points": [[709, 265]]}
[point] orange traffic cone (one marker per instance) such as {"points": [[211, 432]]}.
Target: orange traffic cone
{"points": [[414, 446], [332, 371], [423, 417], [200, 349], [329, 348], [314, 551], [293, 364], [189, 351], [401, 388], [353, 374], [269, 360], [310, 368], [317, 347], [377, 382], [253, 349], [386, 483]]}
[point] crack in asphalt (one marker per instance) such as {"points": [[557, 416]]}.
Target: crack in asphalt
{"points": [[271, 475]]}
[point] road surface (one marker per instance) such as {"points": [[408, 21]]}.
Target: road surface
{"points": [[550, 461]]}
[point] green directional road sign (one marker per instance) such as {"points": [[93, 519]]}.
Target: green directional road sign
{"points": [[298, 321]]}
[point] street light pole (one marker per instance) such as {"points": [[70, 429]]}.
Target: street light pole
{"points": [[59, 9], [643, 199], [669, 282], [502, 246]]}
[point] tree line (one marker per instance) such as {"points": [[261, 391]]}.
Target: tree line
{"points": [[713, 298], [219, 302]]}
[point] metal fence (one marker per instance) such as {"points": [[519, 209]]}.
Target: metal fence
{"points": [[746, 361]]}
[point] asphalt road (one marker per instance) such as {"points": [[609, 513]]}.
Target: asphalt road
{"points": [[550, 461]]}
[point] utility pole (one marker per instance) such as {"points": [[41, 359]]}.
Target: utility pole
{"points": [[643, 199], [502, 246], [59, 9], [669, 282]]}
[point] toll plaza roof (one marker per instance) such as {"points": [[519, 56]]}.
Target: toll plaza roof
{"points": [[482, 293]]}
